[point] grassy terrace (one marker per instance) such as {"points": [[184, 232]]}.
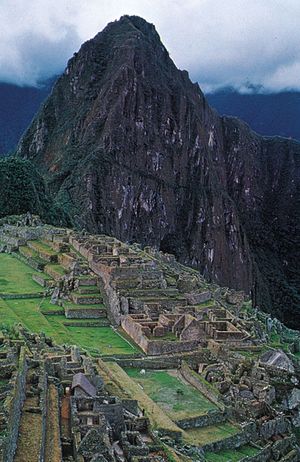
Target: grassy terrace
{"points": [[40, 246], [212, 433], [16, 279], [178, 399], [232, 455]]}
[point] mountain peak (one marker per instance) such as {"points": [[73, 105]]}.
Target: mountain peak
{"points": [[128, 24], [129, 147], [128, 29]]}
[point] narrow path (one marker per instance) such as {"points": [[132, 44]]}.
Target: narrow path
{"points": [[30, 430], [65, 417], [53, 445]]}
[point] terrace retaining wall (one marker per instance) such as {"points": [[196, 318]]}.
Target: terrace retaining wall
{"points": [[247, 434], [167, 362], [44, 408], [204, 387], [211, 418], [16, 408]]}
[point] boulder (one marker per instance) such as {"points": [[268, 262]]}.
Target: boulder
{"points": [[277, 359], [235, 298], [187, 283], [292, 400]]}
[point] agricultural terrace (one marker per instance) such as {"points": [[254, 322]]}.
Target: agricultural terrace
{"points": [[38, 315], [169, 390]]}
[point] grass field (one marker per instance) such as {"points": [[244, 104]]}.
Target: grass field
{"points": [[177, 398], [16, 277], [231, 455], [212, 433], [28, 312]]}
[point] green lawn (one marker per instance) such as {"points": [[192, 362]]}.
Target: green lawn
{"points": [[231, 455], [177, 398], [212, 433], [28, 312], [16, 277], [105, 339]]}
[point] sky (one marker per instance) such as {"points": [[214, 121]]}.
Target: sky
{"points": [[237, 43]]}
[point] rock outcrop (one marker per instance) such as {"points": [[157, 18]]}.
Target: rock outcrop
{"points": [[129, 146]]}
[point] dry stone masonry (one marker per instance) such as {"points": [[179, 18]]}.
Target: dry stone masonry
{"points": [[223, 377]]}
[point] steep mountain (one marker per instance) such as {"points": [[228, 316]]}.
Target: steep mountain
{"points": [[129, 146], [267, 114], [17, 109]]}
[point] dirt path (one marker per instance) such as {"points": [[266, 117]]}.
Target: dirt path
{"points": [[53, 446], [30, 432]]}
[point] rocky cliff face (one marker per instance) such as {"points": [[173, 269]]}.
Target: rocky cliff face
{"points": [[129, 147]]}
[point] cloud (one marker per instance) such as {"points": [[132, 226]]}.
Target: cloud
{"points": [[36, 39], [220, 43]]}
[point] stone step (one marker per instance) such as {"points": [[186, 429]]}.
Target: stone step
{"points": [[58, 246], [86, 299], [155, 293], [82, 290], [43, 280], [87, 281], [87, 322], [66, 260], [55, 271], [178, 301], [84, 312], [131, 283], [43, 250], [32, 258], [144, 270]]}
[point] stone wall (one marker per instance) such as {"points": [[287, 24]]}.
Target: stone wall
{"points": [[211, 418], [84, 313], [21, 296], [131, 405], [208, 390], [110, 296], [278, 426], [154, 347], [247, 434], [168, 362], [194, 331], [280, 450], [135, 331], [250, 433], [16, 408], [159, 347], [43, 385]]}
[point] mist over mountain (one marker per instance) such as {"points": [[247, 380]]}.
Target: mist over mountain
{"points": [[267, 114], [129, 146]]}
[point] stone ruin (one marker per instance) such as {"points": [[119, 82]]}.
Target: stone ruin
{"points": [[209, 335], [60, 392]]}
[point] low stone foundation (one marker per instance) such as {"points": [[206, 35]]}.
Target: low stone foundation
{"points": [[211, 418]]}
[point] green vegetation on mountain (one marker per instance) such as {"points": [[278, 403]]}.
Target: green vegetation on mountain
{"points": [[22, 190]]}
